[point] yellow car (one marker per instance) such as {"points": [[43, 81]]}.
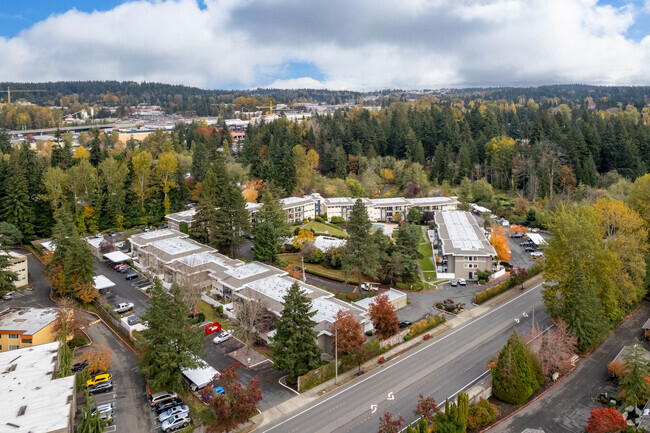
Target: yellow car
{"points": [[98, 378]]}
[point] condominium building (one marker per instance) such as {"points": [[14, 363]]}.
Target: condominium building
{"points": [[298, 208], [27, 327], [462, 245], [18, 265]]}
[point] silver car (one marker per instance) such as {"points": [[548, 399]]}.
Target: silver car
{"points": [[453, 283], [175, 421], [176, 410]]}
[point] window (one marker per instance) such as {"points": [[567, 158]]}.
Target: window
{"points": [[13, 346], [27, 341], [13, 336]]}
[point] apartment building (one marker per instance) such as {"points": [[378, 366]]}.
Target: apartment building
{"points": [[26, 327], [298, 208], [337, 207], [18, 265], [178, 219], [462, 245]]}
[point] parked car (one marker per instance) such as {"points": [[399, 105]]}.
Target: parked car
{"points": [[118, 265], [146, 229], [100, 387], [212, 328], [112, 234], [167, 404], [176, 410], [120, 245], [123, 268], [79, 366], [132, 276], [8, 296], [369, 287], [537, 254], [517, 235], [98, 378], [506, 264], [462, 281], [526, 243], [225, 335], [161, 396], [175, 421], [99, 235], [405, 324], [453, 283], [219, 390], [123, 307], [105, 411]]}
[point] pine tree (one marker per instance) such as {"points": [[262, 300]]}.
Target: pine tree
{"points": [[272, 212], [359, 253], [294, 347], [15, 202], [232, 219], [169, 341], [200, 161], [7, 277], [265, 243], [514, 379], [634, 384]]}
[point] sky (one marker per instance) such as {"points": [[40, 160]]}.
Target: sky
{"points": [[336, 44]]}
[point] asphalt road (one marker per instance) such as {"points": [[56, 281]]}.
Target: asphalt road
{"points": [[567, 406], [272, 392], [440, 368], [131, 409], [123, 291]]}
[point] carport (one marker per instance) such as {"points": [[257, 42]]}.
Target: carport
{"points": [[101, 283], [536, 238], [201, 376], [117, 257]]}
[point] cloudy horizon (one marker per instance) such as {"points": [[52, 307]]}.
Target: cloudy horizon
{"points": [[340, 45]]}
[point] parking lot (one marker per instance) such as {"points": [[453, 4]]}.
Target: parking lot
{"points": [[124, 290]]}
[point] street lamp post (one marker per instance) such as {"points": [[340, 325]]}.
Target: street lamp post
{"points": [[336, 355]]}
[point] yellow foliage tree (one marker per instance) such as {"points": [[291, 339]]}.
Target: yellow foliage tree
{"points": [[500, 243], [252, 190], [387, 174], [99, 357], [81, 152], [304, 236]]}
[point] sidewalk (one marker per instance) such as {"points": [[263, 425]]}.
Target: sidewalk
{"points": [[304, 399]]}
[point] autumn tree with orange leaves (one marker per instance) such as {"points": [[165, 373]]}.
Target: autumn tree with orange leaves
{"points": [[251, 190], [348, 332], [499, 241], [99, 357], [383, 316], [304, 236], [606, 420]]}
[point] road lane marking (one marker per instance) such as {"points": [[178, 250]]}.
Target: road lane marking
{"points": [[388, 367], [373, 408]]}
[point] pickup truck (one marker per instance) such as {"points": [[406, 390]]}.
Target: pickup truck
{"points": [[123, 307]]}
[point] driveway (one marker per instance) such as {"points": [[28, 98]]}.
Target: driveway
{"points": [[567, 406], [123, 291], [39, 297], [272, 392], [131, 410]]}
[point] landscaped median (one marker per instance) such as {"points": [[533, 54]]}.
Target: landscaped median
{"points": [[495, 290]]}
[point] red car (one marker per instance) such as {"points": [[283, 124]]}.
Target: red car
{"points": [[212, 328]]}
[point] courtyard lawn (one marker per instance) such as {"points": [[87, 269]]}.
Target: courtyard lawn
{"points": [[429, 277], [322, 271], [324, 228], [425, 262]]}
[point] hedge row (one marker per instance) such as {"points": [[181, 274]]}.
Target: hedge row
{"points": [[425, 325], [493, 291]]}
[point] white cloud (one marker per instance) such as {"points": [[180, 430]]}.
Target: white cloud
{"points": [[363, 44]]}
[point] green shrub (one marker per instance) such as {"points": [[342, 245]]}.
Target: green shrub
{"points": [[426, 324], [220, 309], [482, 414], [493, 291], [369, 333], [319, 219], [415, 286], [337, 220], [316, 377]]}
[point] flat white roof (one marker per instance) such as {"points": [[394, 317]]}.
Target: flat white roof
{"points": [[182, 214], [175, 246], [117, 256], [325, 243], [461, 232], [392, 295], [201, 375], [203, 257], [481, 209], [102, 282], [275, 287], [95, 241], [247, 270], [293, 200], [339, 200], [419, 200], [48, 245], [326, 310], [388, 201], [26, 377], [536, 238], [253, 206], [157, 234], [27, 321]]}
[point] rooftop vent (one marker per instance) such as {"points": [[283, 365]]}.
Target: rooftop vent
{"points": [[22, 410]]}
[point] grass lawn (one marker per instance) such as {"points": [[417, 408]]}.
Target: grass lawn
{"points": [[319, 227], [294, 259], [425, 262], [208, 311], [429, 277]]}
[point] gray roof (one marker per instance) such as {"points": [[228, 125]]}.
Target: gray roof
{"points": [[149, 237], [242, 275], [27, 321], [461, 235], [647, 324]]}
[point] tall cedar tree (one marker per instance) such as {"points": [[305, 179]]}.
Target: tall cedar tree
{"points": [[294, 347], [169, 341], [265, 243], [7, 277], [232, 219], [515, 378], [272, 212], [237, 404], [605, 420], [204, 224], [383, 316], [359, 253], [15, 201], [406, 247], [348, 333], [583, 314], [634, 384]]}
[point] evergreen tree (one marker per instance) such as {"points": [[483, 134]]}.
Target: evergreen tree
{"points": [[91, 422], [232, 220], [514, 379], [440, 167], [204, 224], [359, 253], [272, 212], [294, 347], [406, 244], [169, 343], [200, 160], [15, 202], [265, 243], [7, 277], [634, 384]]}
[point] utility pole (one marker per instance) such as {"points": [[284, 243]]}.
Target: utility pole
{"points": [[302, 260], [336, 355]]}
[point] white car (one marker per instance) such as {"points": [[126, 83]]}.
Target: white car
{"points": [[176, 410], [175, 421], [123, 307], [537, 254], [225, 335], [462, 281]]}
